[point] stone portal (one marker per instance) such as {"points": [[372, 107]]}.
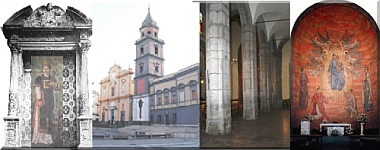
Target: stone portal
{"points": [[48, 98]]}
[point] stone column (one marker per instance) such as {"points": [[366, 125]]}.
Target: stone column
{"points": [[268, 83], [218, 69], [263, 72], [85, 119], [277, 55], [249, 58], [12, 131]]}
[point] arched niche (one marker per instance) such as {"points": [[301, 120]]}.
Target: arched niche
{"points": [[335, 48], [48, 98]]}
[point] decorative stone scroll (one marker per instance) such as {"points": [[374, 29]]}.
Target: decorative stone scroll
{"points": [[48, 16]]}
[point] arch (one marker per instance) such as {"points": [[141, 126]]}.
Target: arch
{"points": [[328, 37], [192, 82]]}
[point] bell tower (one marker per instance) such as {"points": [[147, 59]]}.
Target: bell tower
{"points": [[149, 65]]}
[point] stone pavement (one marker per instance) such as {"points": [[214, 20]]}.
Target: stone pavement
{"points": [[170, 142], [109, 142]]}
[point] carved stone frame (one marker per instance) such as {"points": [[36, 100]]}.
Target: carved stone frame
{"points": [[69, 36]]}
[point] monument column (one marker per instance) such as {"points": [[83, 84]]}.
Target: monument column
{"points": [[12, 128], [85, 119], [218, 69]]}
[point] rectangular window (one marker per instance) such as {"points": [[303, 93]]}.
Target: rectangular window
{"points": [[159, 101], [182, 96], [193, 94], [166, 99], [151, 118], [174, 99], [104, 92], [113, 91]]}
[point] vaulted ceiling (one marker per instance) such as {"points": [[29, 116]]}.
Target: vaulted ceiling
{"points": [[275, 17]]}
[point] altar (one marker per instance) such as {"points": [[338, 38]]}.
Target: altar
{"points": [[334, 126]]}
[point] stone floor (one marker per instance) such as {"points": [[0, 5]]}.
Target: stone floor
{"points": [[270, 130]]}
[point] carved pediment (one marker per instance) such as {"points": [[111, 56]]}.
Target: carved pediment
{"points": [[48, 16]]}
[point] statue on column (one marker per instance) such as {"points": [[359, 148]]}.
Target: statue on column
{"points": [[44, 106]]}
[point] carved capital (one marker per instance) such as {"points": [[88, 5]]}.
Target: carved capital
{"points": [[14, 47], [84, 46]]}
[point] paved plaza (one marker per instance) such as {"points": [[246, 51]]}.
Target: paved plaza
{"points": [[108, 140]]}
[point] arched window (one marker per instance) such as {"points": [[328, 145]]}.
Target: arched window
{"points": [[141, 68], [166, 94], [159, 100], [181, 90], [193, 90], [141, 50], [142, 34], [155, 34], [174, 95], [149, 32], [156, 68], [200, 23], [156, 50]]}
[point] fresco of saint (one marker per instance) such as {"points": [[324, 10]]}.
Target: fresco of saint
{"points": [[367, 101], [303, 93], [43, 112], [317, 102], [351, 108]]}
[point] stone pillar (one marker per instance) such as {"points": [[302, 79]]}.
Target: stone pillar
{"points": [[263, 72], [85, 119], [277, 99], [249, 58], [218, 68], [12, 128], [268, 83]]}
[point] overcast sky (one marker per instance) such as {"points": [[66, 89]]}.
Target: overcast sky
{"points": [[116, 27]]}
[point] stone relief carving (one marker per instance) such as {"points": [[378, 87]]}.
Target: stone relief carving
{"points": [[48, 16]]}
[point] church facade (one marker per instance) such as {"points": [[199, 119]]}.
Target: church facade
{"points": [[116, 95], [155, 100]]}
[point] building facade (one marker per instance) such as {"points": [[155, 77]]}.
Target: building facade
{"points": [[159, 99], [174, 98], [95, 105], [116, 95]]}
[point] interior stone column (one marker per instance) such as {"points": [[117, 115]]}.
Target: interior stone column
{"points": [[263, 73], [249, 58], [277, 55], [268, 83], [218, 69], [85, 118], [12, 126]]}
